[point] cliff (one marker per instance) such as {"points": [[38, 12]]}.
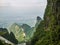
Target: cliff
{"points": [[48, 31]]}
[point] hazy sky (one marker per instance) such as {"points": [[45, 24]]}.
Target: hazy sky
{"points": [[22, 3], [21, 10]]}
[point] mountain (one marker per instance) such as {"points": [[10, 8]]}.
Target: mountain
{"points": [[48, 31], [38, 20], [28, 31], [22, 32], [18, 32]]}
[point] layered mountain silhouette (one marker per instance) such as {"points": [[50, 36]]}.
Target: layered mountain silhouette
{"points": [[17, 33], [22, 32]]}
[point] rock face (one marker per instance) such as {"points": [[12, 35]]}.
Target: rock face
{"points": [[18, 32], [38, 20], [50, 33]]}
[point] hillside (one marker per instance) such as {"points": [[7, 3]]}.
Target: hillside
{"points": [[17, 31], [48, 31], [22, 32], [28, 31]]}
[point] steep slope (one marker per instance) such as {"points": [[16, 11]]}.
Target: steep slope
{"points": [[52, 16], [50, 33], [10, 37], [38, 20], [23, 33], [18, 32], [39, 34], [28, 31]]}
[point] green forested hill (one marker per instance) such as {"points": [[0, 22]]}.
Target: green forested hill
{"points": [[28, 31], [22, 32], [48, 31], [17, 31]]}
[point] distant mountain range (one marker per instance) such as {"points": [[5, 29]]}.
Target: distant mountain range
{"points": [[5, 23], [21, 32]]}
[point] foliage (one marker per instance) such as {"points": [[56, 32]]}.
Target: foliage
{"points": [[48, 33], [10, 37]]}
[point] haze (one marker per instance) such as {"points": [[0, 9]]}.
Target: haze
{"points": [[22, 11]]}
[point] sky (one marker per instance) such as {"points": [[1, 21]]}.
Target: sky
{"points": [[23, 11]]}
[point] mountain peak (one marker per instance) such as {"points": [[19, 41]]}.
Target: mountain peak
{"points": [[38, 18], [25, 25]]}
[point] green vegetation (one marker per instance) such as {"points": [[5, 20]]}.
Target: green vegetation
{"points": [[22, 33], [3, 43], [3, 31], [28, 31], [48, 31], [9, 36], [17, 31]]}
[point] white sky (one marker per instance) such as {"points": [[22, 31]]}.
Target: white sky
{"points": [[26, 9], [22, 6], [22, 3]]}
